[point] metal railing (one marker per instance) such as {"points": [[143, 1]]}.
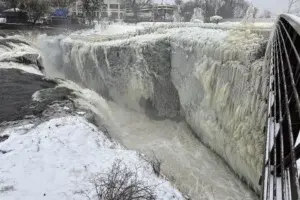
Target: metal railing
{"points": [[280, 180]]}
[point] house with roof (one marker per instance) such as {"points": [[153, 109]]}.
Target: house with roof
{"points": [[14, 15]]}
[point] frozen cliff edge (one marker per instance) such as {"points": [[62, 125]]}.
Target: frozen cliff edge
{"points": [[213, 78], [222, 92]]}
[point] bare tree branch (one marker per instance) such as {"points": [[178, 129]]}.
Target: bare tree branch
{"points": [[36, 8], [293, 6], [121, 183]]}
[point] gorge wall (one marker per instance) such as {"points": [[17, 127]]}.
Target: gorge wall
{"points": [[214, 79]]}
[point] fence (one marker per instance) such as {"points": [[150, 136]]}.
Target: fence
{"points": [[280, 180]]}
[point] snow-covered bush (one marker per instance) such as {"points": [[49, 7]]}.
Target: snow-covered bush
{"points": [[121, 183], [198, 15], [176, 17], [249, 17], [216, 19]]}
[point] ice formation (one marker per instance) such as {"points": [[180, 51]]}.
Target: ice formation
{"points": [[213, 78]]}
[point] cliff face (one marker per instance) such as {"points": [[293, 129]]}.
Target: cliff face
{"points": [[222, 86], [214, 79]]}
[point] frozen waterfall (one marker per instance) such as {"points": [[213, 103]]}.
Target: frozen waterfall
{"points": [[213, 79]]}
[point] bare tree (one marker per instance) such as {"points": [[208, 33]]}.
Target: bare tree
{"points": [[36, 8], [267, 14], [89, 8], [121, 183], [204, 5], [294, 6], [224, 8], [217, 5], [12, 3], [291, 4], [239, 8], [61, 3], [178, 2], [255, 12], [135, 6]]}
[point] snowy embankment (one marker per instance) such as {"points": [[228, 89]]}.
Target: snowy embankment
{"points": [[58, 159], [212, 78], [48, 146]]}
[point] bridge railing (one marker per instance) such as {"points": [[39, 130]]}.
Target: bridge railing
{"points": [[280, 178]]}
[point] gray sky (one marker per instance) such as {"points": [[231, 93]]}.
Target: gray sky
{"points": [[272, 5], [275, 6]]}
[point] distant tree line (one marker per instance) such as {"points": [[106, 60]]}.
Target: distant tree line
{"points": [[35, 8], [135, 6], [224, 8]]}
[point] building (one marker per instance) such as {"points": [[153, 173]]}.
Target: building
{"points": [[14, 15], [112, 8], [153, 12], [115, 9]]}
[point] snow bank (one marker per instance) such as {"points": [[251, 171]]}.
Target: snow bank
{"points": [[109, 29], [57, 158], [125, 31]]}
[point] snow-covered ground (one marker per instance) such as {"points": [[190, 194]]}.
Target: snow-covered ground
{"points": [[57, 159], [110, 29]]}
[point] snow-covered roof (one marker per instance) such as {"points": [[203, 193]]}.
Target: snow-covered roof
{"points": [[14, 10], [215, 18]]}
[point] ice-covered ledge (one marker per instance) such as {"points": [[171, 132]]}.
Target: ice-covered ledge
{"points": [[221, 83]]}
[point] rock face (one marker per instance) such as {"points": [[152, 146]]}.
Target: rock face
{"points": [[16, 91], [20, 78], [214, 79]]}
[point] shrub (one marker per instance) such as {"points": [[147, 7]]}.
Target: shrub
{"points": [[121, 183], [156, 165]]}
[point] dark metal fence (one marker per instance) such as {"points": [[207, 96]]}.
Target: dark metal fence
{"points": [[280, 180]]}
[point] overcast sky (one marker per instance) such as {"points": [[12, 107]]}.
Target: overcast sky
{"points": [[272, 5], [275, 6]]}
